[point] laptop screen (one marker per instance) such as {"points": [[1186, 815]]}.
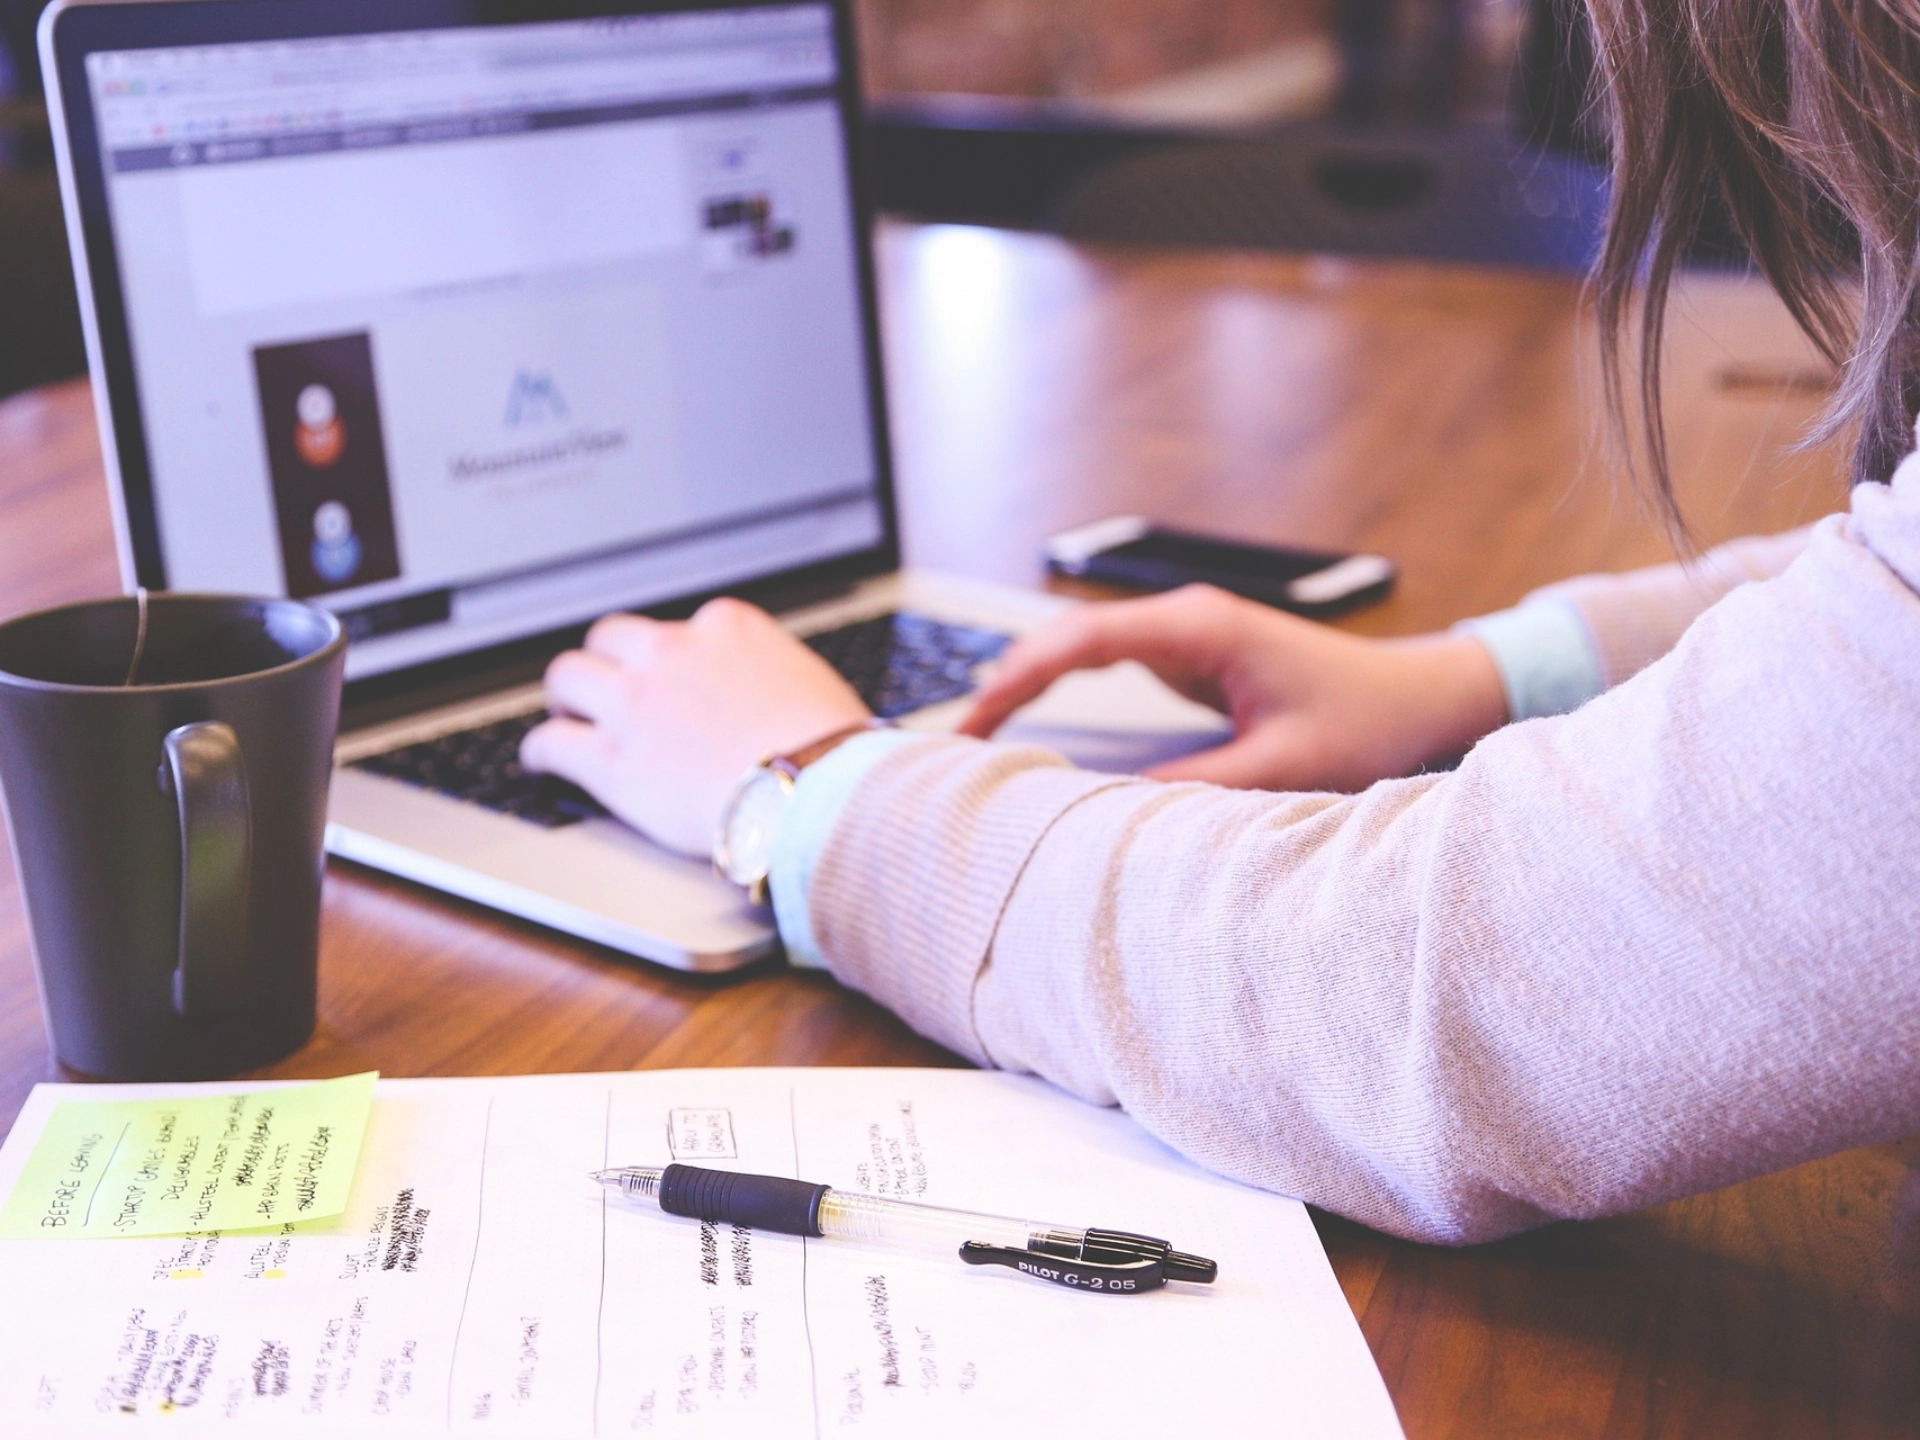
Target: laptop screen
{"points": [[475, 333]]}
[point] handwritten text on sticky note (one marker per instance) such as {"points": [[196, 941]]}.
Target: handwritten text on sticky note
{"points": [[204, 1162]]}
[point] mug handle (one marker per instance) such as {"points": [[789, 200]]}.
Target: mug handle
{"points": [[204, 773]]}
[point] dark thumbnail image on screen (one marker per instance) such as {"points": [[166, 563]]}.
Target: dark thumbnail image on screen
{"points": [[756, 231], [328, 460]]}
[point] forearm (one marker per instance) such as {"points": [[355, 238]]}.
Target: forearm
{"points": [[1633, 619], [1568, 642], [1595, 968]]}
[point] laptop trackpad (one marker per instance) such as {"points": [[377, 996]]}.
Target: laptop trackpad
{"points": [[1118, 719]]}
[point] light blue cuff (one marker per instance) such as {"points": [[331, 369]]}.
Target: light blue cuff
{"points": [[1545, 654], [821, 793]]}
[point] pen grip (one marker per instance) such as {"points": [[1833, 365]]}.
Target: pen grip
{"points": [[765, 1202]]}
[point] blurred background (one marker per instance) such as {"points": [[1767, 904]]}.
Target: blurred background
{"points": [[1447, 129], [1221, 63]]}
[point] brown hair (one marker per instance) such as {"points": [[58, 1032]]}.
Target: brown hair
{"points": [[1802, 119]]}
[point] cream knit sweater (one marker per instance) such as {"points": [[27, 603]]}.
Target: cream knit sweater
{"points": [[1663, 943]]}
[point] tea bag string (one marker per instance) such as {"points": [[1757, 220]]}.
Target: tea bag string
{"points": [[139, 637]]}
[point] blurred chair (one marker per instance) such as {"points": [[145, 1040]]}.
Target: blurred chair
{"points": [[18, 19], [1452, 196], [40, 338]]}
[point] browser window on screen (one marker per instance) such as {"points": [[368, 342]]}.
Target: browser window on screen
{"points": [[474, 333]]}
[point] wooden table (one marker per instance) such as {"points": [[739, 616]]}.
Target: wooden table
{"points": [[1444, 417]]}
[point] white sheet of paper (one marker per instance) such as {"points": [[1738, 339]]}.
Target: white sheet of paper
{"points": [[481, 1283]]}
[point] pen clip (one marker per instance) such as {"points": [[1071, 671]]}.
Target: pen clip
{"points": [[1097, 1276]]}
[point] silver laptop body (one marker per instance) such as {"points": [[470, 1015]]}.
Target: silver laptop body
{"points": [[473, 332]]}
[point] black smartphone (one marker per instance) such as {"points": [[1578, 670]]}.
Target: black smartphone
{"points": [[1134, 552]]}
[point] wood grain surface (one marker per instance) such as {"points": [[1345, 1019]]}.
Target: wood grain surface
{"points": [[1444, 417]]}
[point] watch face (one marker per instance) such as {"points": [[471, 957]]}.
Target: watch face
{"points": [[747, 833]]}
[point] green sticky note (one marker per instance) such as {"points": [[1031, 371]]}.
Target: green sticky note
{"points": [[190, 1163]]}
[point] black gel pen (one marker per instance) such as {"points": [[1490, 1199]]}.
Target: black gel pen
{"points": [[1104, 1262]]}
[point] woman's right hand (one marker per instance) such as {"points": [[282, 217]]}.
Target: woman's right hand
{"points": [[1312, 708]]}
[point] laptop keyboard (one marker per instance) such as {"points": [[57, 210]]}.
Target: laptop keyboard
{"points": [[897, 663], [483, 765], [902, 662]]}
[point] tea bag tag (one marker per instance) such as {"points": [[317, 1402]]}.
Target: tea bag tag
{"points": [[139, 636]]}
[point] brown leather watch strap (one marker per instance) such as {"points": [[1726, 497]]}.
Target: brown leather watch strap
{"points": [[796, 761]]}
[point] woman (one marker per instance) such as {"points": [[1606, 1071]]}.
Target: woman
{"points": [[1658, 943]]}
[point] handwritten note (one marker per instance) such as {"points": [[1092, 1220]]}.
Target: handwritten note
{"points": [[192, 1164], [480, 1283]]}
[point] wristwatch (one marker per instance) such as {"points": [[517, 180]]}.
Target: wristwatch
{"points": [[749, 821]]}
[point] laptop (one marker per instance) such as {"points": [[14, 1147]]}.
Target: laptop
{"points": [[474, 320]]}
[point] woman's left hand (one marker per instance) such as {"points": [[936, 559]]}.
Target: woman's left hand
{"points": [[659, 719]]}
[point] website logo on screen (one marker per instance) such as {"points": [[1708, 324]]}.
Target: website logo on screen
{"points": [[534, 400], [545, 435], [319, 436]]}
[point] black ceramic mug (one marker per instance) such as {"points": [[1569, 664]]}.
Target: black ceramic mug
{"points": [[164, 761]]}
